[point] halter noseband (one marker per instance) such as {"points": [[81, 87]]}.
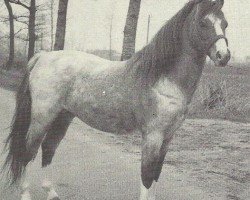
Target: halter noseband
{"points": [[218, 37], [210, 43]]}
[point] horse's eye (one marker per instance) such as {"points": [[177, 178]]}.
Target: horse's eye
{"points": [[226, 24], [203, 24], [214, 2]]}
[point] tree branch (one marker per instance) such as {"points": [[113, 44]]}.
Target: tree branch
{"points": [[19, 31], [4, 37], [22, 38], [22, 16], [21, 21], [4, 20], [16, 34], [18, 2]]}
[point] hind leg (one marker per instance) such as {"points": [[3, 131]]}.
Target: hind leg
{"points": [[47, 184], [39, 125], [36, 133], [50, 143], [25, 192]]}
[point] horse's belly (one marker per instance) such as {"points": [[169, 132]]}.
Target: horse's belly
{"points": [[108, 119]]}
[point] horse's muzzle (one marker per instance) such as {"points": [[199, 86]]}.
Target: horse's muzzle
{"points": [[222, 58], [219, 52]]}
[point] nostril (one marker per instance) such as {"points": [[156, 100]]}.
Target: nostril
{"points": [[218, 55]]}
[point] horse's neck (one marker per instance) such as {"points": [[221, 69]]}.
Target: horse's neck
{"points": [[187, 72], [188, 68]]}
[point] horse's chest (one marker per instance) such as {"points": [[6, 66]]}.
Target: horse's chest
{"points": [[169, 95], [170, 106]]}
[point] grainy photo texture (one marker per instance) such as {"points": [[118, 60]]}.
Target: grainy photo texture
{"points": [[124, 99]]}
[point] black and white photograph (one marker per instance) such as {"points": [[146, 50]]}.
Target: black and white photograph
{"points": [[124, 100]]}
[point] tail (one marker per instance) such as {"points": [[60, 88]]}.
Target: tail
{"points": [[18, 157]]}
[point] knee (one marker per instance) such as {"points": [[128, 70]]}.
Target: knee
{"points": [[153, 142]]}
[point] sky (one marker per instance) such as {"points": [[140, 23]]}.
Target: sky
{"points": [[88, 22]]}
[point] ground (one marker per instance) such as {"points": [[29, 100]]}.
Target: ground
{"points": [[208, 160]]}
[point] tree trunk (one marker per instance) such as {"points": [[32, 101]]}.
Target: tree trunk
{"points": [[128, 48], [11, 35], [32, 31], [52, 24], [110, 38], [61, 25]]}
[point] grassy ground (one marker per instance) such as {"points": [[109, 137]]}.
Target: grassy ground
{"points": [[213, 152], [233, 81], [235, 85]]}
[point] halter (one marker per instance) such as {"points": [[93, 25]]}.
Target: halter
{"points": [[208, 44], [205, 43], [218, 37]]}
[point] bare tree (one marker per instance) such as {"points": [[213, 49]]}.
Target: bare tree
{"points": [[110, 37], [11, 35], [32, 30], [61, 25], [52, 24], [40, 30], [128, 48], [149, 18], [31, 24]]}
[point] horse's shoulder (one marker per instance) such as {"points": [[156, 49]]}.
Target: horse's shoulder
{"points": [[169, 96]]}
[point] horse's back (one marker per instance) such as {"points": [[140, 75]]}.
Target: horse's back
{"points": [[63, 66], [72, 59]]}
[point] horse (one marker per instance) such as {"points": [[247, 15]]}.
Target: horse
{"points": [[149, 93]]}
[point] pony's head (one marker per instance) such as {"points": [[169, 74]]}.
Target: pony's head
{"points": [[207, 28]]}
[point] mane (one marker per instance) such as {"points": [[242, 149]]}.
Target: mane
{"points": [[162, 52]]}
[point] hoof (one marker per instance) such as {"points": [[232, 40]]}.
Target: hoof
{"points": [[26, 196], [55, 198]]}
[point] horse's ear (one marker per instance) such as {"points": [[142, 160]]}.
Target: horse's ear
{"points": [[221, 3], [203, 7], [199, 12]]}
